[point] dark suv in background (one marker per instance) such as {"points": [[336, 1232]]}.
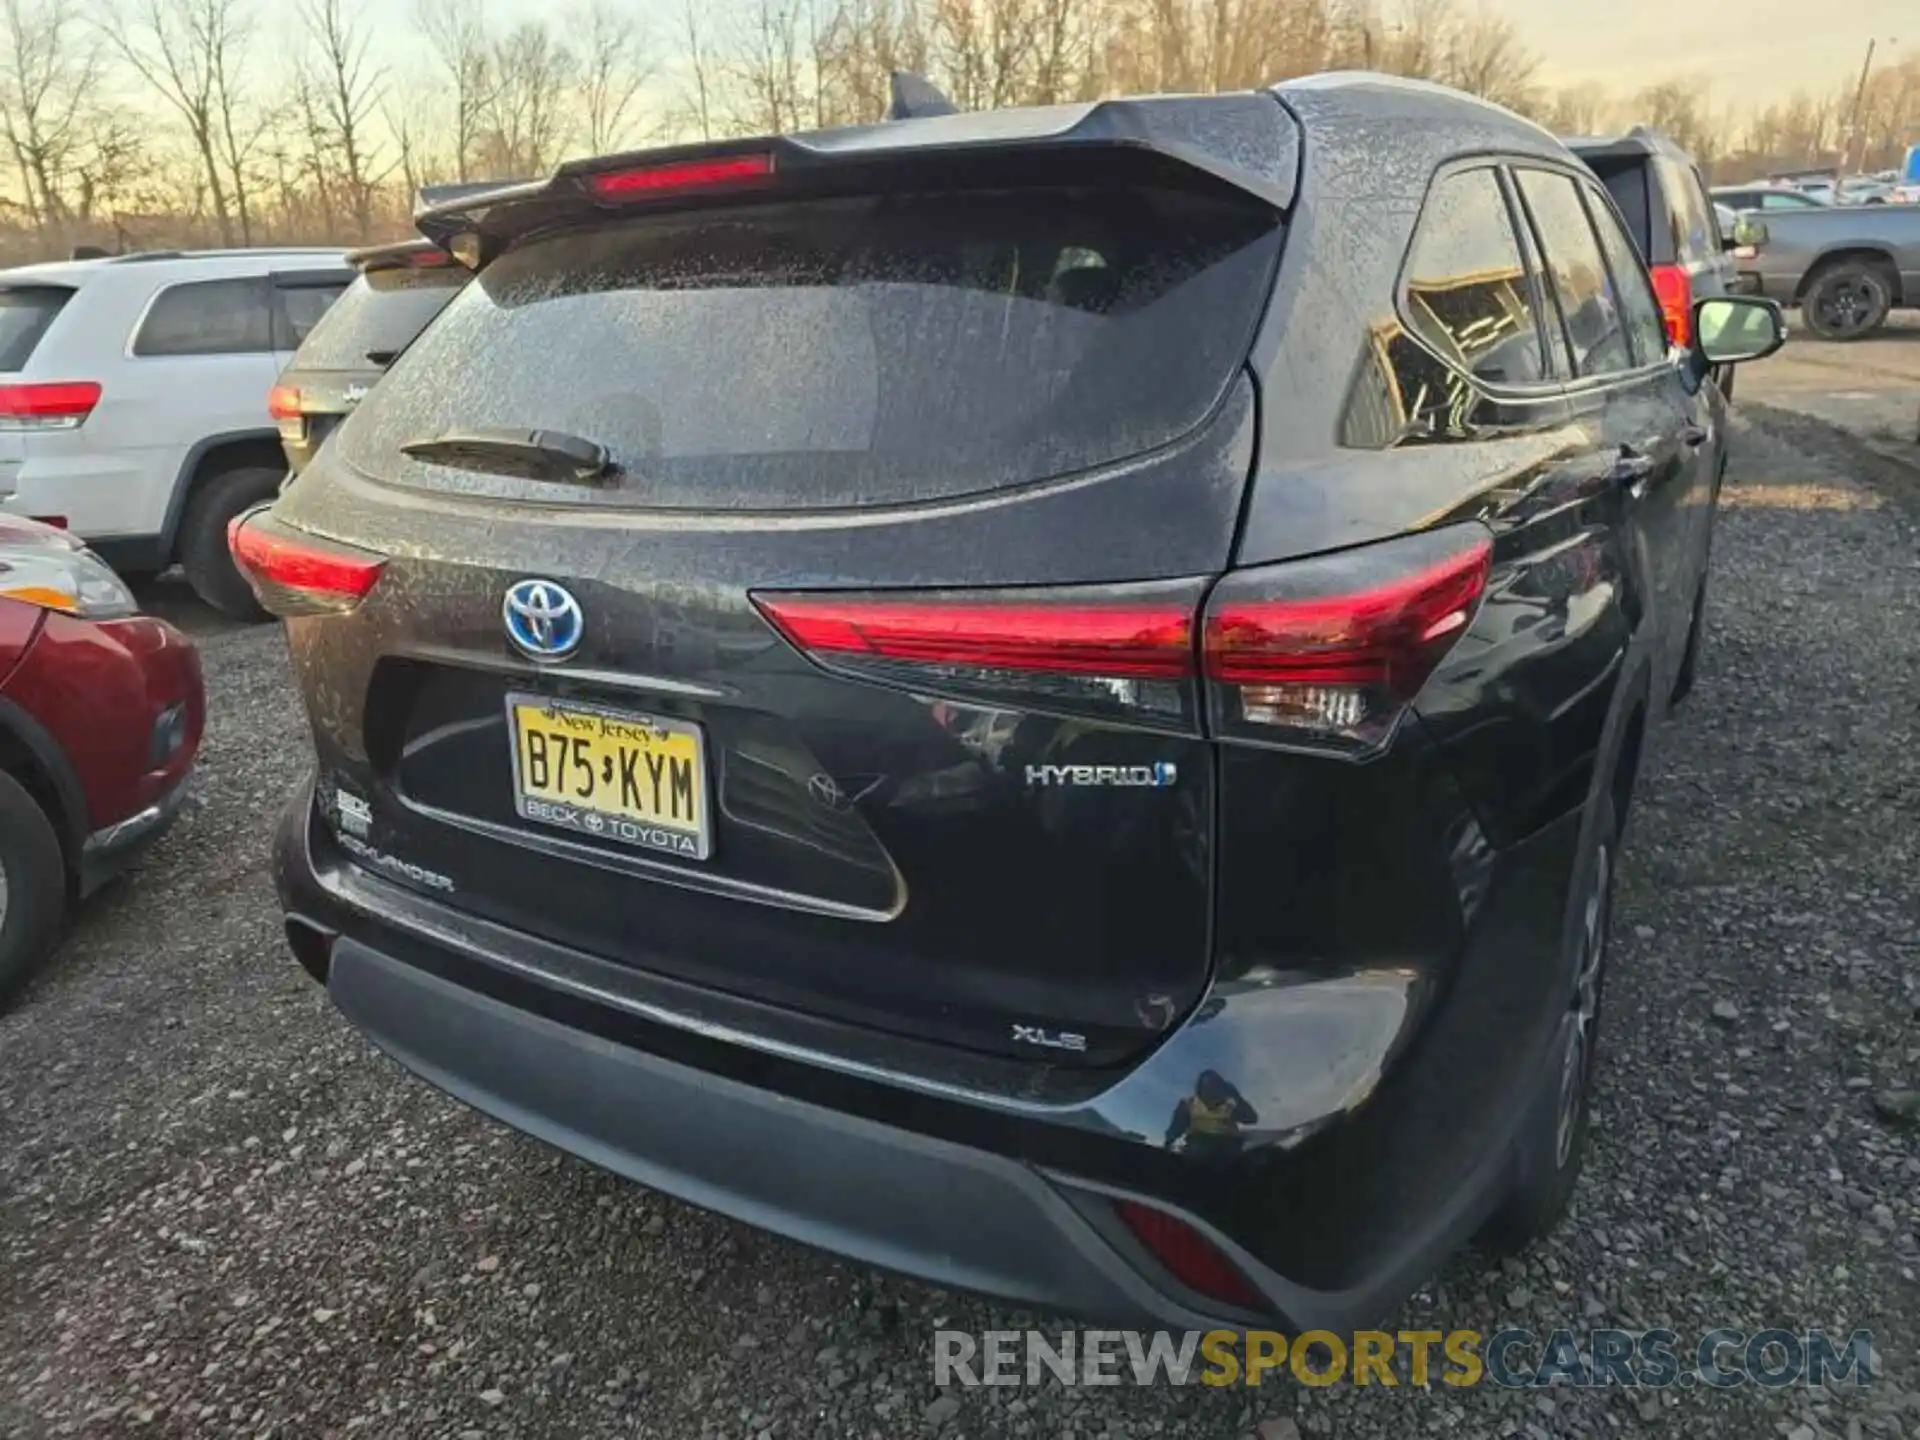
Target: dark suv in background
{"points": [[1045, 699], [397, 289], [1665, 204]]}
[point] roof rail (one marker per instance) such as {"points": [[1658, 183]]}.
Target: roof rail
{"points": [[914, 97], [135, 257]]}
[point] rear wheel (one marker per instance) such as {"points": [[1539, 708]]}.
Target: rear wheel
{"points": [[1545, 1163], [1848, 299], [203, 538], [33, 887]]}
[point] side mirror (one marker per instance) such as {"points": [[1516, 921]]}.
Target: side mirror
{"points": [[1730, 329], [1749, 229]]}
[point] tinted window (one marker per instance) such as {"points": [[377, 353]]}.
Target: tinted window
{"points": [[1581, 283], [1646, 327], [841, 352], [25, 313], [209, 317], [380, 314], [301, 307], [1467, 293], [1626, 182], [1689, 217]]}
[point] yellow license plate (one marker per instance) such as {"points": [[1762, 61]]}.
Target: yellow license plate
{"points": [[610, 774]]}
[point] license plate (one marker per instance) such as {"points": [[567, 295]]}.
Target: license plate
{"points": [[611, 774]]}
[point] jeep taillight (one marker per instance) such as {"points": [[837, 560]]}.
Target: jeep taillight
{"points": [[47, 405]]}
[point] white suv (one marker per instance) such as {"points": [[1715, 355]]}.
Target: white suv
{"points": [[133, 398]]}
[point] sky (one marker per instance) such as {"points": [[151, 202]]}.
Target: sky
{"points": [[1752, 52], [1755, 51]]}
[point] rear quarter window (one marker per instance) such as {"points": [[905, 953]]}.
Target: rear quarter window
{"points": [[847, 352], [26, 314], [209, 317]]}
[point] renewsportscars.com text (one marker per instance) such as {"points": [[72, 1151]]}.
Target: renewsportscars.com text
{"points": [[1717, 1359]]}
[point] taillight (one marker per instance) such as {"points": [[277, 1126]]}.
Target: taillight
{"points": [[651, 182], [283, 404], [1329, 653], [1125, 651], [47, 405], [295, 573], [1188, 1256], [1674, 289]]}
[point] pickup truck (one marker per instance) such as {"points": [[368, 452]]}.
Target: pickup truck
{"points": [[1845, 266]]}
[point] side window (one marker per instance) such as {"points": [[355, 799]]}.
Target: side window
{"points": [[1693, 234], [1467, 293], [300, 309], [1638, 303], [209, 317], [1588, 302]]}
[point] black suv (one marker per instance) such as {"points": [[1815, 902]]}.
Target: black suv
{"points": [[1664, 201], [1047, 701], [397, 289]]}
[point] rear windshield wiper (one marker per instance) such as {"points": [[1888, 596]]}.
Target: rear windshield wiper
{"points": [[531, 454]]}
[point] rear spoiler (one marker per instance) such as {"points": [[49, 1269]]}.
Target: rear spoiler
{"points": [[429, 197], [401, 255], [1248, 142]]}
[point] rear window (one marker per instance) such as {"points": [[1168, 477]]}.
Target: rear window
{"points": [[1626, 182], [379, 316], [25, 313], [874, 350]]}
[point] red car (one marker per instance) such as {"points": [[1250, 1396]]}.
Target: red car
{"points": [[101, 710]]}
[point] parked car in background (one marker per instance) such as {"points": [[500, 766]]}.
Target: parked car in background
{"points": [[1764, 198], [101, 710], [1846, 266], [1906, 183], [133, 399], [957, 803], [399, 289], [1853, 190], [1668, 213]]}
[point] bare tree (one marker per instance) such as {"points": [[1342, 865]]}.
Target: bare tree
{"points": [[701, 65], [50, 77], [413, 112], [1485, 55], [191, 52], [857, 48], [614, 65], [456, 31], [767, 74], [346, 89], [526, 119]]}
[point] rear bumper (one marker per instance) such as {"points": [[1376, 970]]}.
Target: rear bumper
{"points": [[949, 1213], [985, 1193]]}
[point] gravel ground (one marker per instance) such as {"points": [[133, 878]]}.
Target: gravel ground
{"points": [[222, 1214]]}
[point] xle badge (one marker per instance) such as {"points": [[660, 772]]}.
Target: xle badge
{"points": [[1049, 1039]]}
